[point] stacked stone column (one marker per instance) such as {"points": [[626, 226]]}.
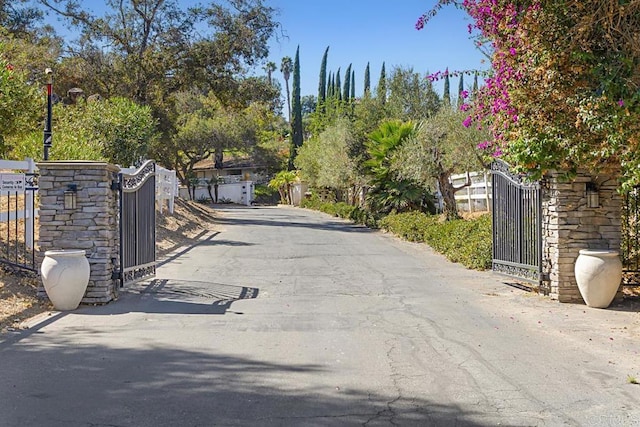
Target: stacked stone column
{"points": [[92, 226], [569, 225]]}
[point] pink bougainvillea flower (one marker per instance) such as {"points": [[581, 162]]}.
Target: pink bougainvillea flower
{"points": [[465, 107], [464, 94], [467, 121], [620, 103]]}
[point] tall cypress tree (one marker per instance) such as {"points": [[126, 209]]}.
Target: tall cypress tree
{"points": [[460, 89], [353, 84], [296, 123], [446, 97], [329, 86], [322, 84], [382, 86], [367, 81], [347, 84], [337, 86]]}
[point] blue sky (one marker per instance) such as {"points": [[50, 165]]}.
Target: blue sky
{"points": [[361, 31]]}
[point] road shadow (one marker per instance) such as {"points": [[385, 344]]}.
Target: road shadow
{"points": [[289, 219], [174, 296], [81, 381], [630, 304], [222, 242], [324, 226]]}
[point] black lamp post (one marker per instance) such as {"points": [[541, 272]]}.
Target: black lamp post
{"points": [[47, 124]]}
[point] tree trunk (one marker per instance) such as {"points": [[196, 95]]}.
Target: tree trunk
{"points": [[289, 194], [210, 195], [448, 192], [286, 85], [354, 195], [218, 158], [283, 195]]}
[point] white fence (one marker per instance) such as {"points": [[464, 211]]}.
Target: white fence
{"points": [[242, 192], [12, 182], [475, 197], [166, 187]]}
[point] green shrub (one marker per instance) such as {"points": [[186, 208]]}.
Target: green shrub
{"points": [[203, 199], [265, 195], [363, 216], [343, 210], [411, 226], [328, 208], [311, 202], [465, 241]]}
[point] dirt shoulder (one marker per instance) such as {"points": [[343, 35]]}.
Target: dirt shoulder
{"points": [[18, 289]]}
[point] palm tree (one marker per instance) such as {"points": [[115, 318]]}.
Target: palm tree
{"points": [[270, 67], [282, 182], [285, 68], [389, 192]]}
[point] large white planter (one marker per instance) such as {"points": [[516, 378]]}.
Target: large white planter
{"points": [[598, 273], [65, 276]]}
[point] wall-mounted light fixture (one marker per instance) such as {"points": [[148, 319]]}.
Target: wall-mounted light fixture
{"points": [[70, 196], [593, 199]]}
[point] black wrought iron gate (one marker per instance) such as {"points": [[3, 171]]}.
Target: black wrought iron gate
{"points": [[18, 212], [517, 224], [630, 245], [138, 224]]}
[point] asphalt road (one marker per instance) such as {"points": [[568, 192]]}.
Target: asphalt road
{"points": [[287, 317]]}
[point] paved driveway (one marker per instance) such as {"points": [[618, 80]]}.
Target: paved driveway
{"points": [[287, 317]]}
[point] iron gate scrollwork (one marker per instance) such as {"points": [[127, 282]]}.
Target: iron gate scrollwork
{"points": [[517, 224], [630, 245], [18, 210], [138, 224]]}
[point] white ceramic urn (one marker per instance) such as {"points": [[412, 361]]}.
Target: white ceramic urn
{"points": [[65, 276], [598, 274]]}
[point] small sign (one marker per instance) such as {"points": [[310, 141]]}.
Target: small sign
{"points": [[12, 182]]}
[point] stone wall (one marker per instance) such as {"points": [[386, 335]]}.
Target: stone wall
{"points": [[569, 225], [92, 225]]}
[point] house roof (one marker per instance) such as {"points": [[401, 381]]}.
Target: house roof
{"points": [[228, 163]]}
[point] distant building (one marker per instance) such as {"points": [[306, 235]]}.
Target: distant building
{"points": [[234, 169]]}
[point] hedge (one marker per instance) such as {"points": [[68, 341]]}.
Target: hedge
{"points": [[468, 242]]}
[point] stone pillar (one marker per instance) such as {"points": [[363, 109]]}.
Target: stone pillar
{"points": [[569, 225], [92, 225]]}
